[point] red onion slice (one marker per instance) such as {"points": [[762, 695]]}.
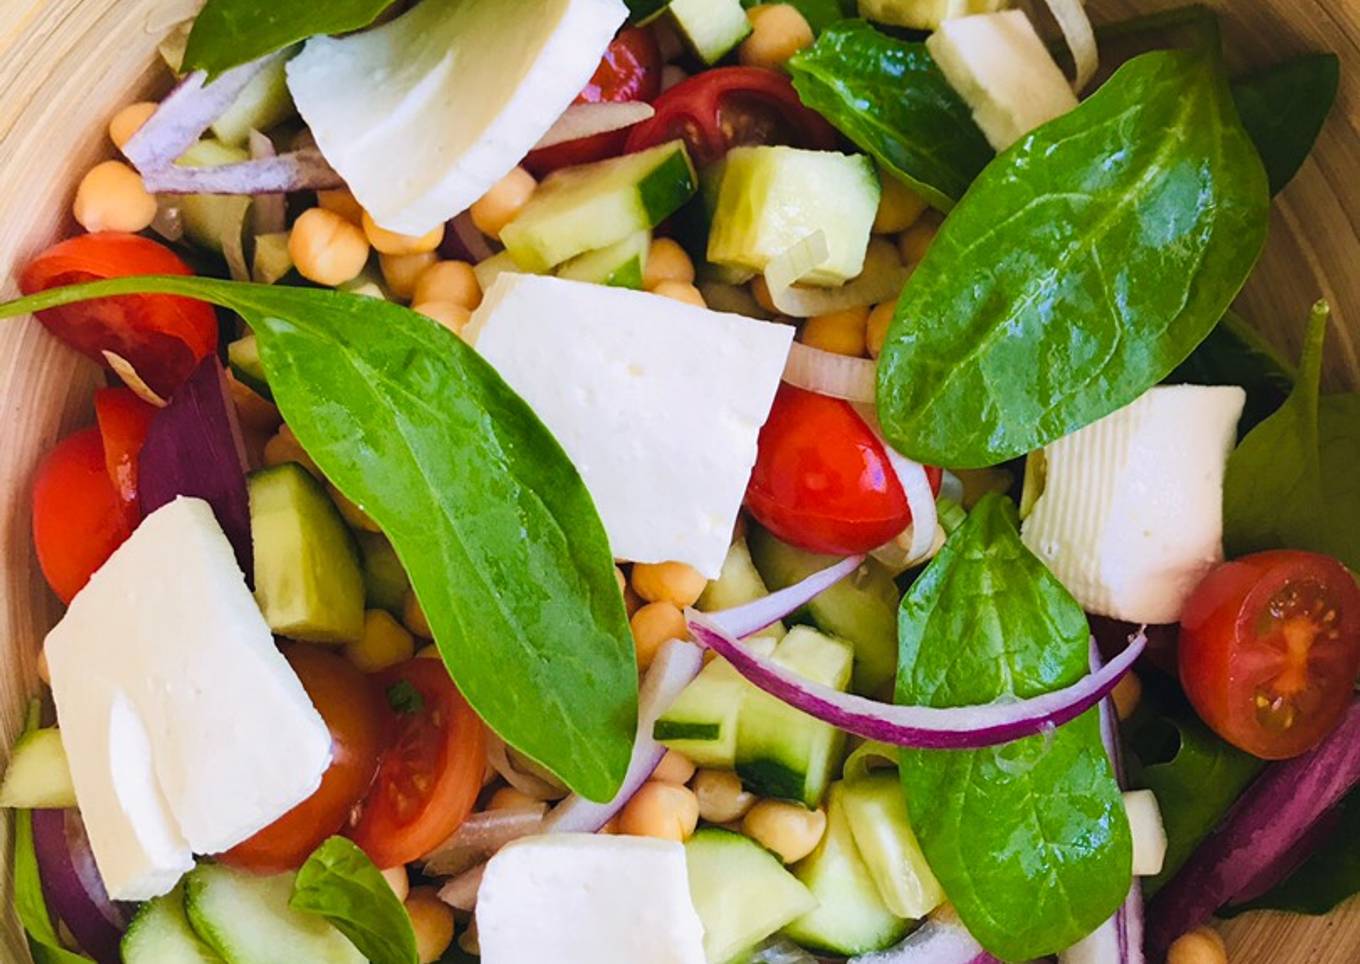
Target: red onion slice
{"points": [[480, 836], [529, 784], [464, 241], [587, 120], [741, 621], [270, 211], [71, 882], [922, 727], [827, 373], [942, 939], [300, 170], [461, 892]]}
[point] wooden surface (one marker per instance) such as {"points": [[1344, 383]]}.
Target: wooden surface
{"points": [[66, 65]]}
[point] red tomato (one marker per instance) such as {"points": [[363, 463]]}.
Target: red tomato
{"points": [[350, 705], [728, 107], [432, 770], [629, 70], [822, 480], [78, 518], [124, 420], [1270, 648], [162, 336]]}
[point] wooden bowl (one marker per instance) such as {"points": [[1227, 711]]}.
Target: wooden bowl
{"points": [[67, 65]]}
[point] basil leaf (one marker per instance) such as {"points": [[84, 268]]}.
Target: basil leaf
{"points": [[1029, 840], [1285, 486], [890, 98], [228, 33], [1236, 354], [340, 883], [500, 537], [1283, 109], [819, 14], [1086, 262]]}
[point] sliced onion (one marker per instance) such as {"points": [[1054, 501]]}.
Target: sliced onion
{"points": [[882, 279], [942, 939], [1081, 39], [233, 237], [781, 950], [828, 373], [464, 241], [587, 120], [480, 836], [461, 891], [915, 485], [528, 783], [922, 727], [740, 621], [301, 170], [169, 220], [124, 370], [72, 884], [270, 215]]}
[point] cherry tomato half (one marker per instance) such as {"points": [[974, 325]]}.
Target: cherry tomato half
{"points": [[1270, 648], [629, 70], [728, 107], [124, 419], [162, 336], [348, 702], [822, 480], [78, 517], [431, 771]]}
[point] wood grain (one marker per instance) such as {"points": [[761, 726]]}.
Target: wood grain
{"points": [[67, 65]]}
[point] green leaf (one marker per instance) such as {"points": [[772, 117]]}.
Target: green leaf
{"points": [[1085, 264], [500, 537], [891, 99], [228, 33], [340, 883], [1236, 354], [1030, 840], [1292, 481], [1283, 109]]}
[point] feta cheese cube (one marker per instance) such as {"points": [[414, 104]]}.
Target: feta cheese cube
{"points": [[657, 402]]}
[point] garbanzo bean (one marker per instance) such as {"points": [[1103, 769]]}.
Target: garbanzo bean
{"points": [[452, 316], [326, 248], [789, 830], [508, 798], [721, 796], [674, 768], [129, 121], [402, 271], [672, 582], [778, 31], [111, 197], [667, 261], [390, 242], [385, 642], [681, 291], [654, 625], [432, 920], [662, 810], [413, 617], [899, 207], [453, 281], [916, 240], [399, 880], [1127, 694], [842, 332], [284, 447], [499, 206], [343, 203], [1199, 946], [876, 330]]}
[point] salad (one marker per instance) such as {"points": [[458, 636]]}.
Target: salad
{"points": [[689, 481]]}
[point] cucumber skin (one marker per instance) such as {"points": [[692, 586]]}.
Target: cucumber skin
{"points": [[669, 185], [39, 776]]}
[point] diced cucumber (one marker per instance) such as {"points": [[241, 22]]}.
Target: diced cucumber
{"points": [[861, 609], [272, 259], [877, 813], [307, 577], [369, 283], [493, 267], [160, 934], [262, 104], [246, 920], [243, 355], [850, 917], [39, 776], [385, 581], [741, 892], [773, 197], [702, 723], [585, 208], [925, 14], [782, 752], [710, 28], [208, 217], [620, 265], [737, 585]]}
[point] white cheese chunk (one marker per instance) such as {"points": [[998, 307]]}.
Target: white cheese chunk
{"points": [[588, 899], [186, 729], [422, 115], [657, 402], [1131, 516]]}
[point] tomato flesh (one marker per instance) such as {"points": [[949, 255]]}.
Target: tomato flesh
{"points": [[430, 772], [1269, 650], [822, 480], [124, 419], [348, 702]]}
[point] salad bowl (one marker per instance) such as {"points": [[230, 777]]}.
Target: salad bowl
{"points": [[67, 65]]}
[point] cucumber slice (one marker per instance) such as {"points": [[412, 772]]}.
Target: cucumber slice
{"points": [[272, 259], [782, 752], [385, 581], [585, 208], [493, 267], [710, 28], [246, 920], [773, 197], [263, 103], [208, 217], [39, 776], [702, 723], [619, 265], [741, 892], [861, 609], [160, 934], [850, 917], [736, 585], [307, 577], [876, 810], [243, 355]]}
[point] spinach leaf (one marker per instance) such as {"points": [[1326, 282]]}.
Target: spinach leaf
{"points": [[228, 33], [1236, 354], [819, 14], [1287, 486], [1283, 109], [1029, 840], [890, 98], [500, 537], [1086, 262], [340, 883]]}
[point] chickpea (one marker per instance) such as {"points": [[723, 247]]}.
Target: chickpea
{"points": [[790, 831], [1127, 694], [662, 810], [898, 208], [621, 579], [469, 941], [44, 673], [391, 242], [449, 281], [508, 798], [342, 202], [401, 271], [129, 121], [681, 291], [432, 920], [385, 642], [876, 329], [326, 248], [284, 447], [667, 261], [351, 511], [778, 31], [842, 332], [399, 881], [916, 240], [674, 768], [499, 206], [1199, 946], [672, 582], [654, 625], [429, 652], [760, 290], [611, 827], [112, 197], [722, 799], [413, 617], [452, 316]]}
